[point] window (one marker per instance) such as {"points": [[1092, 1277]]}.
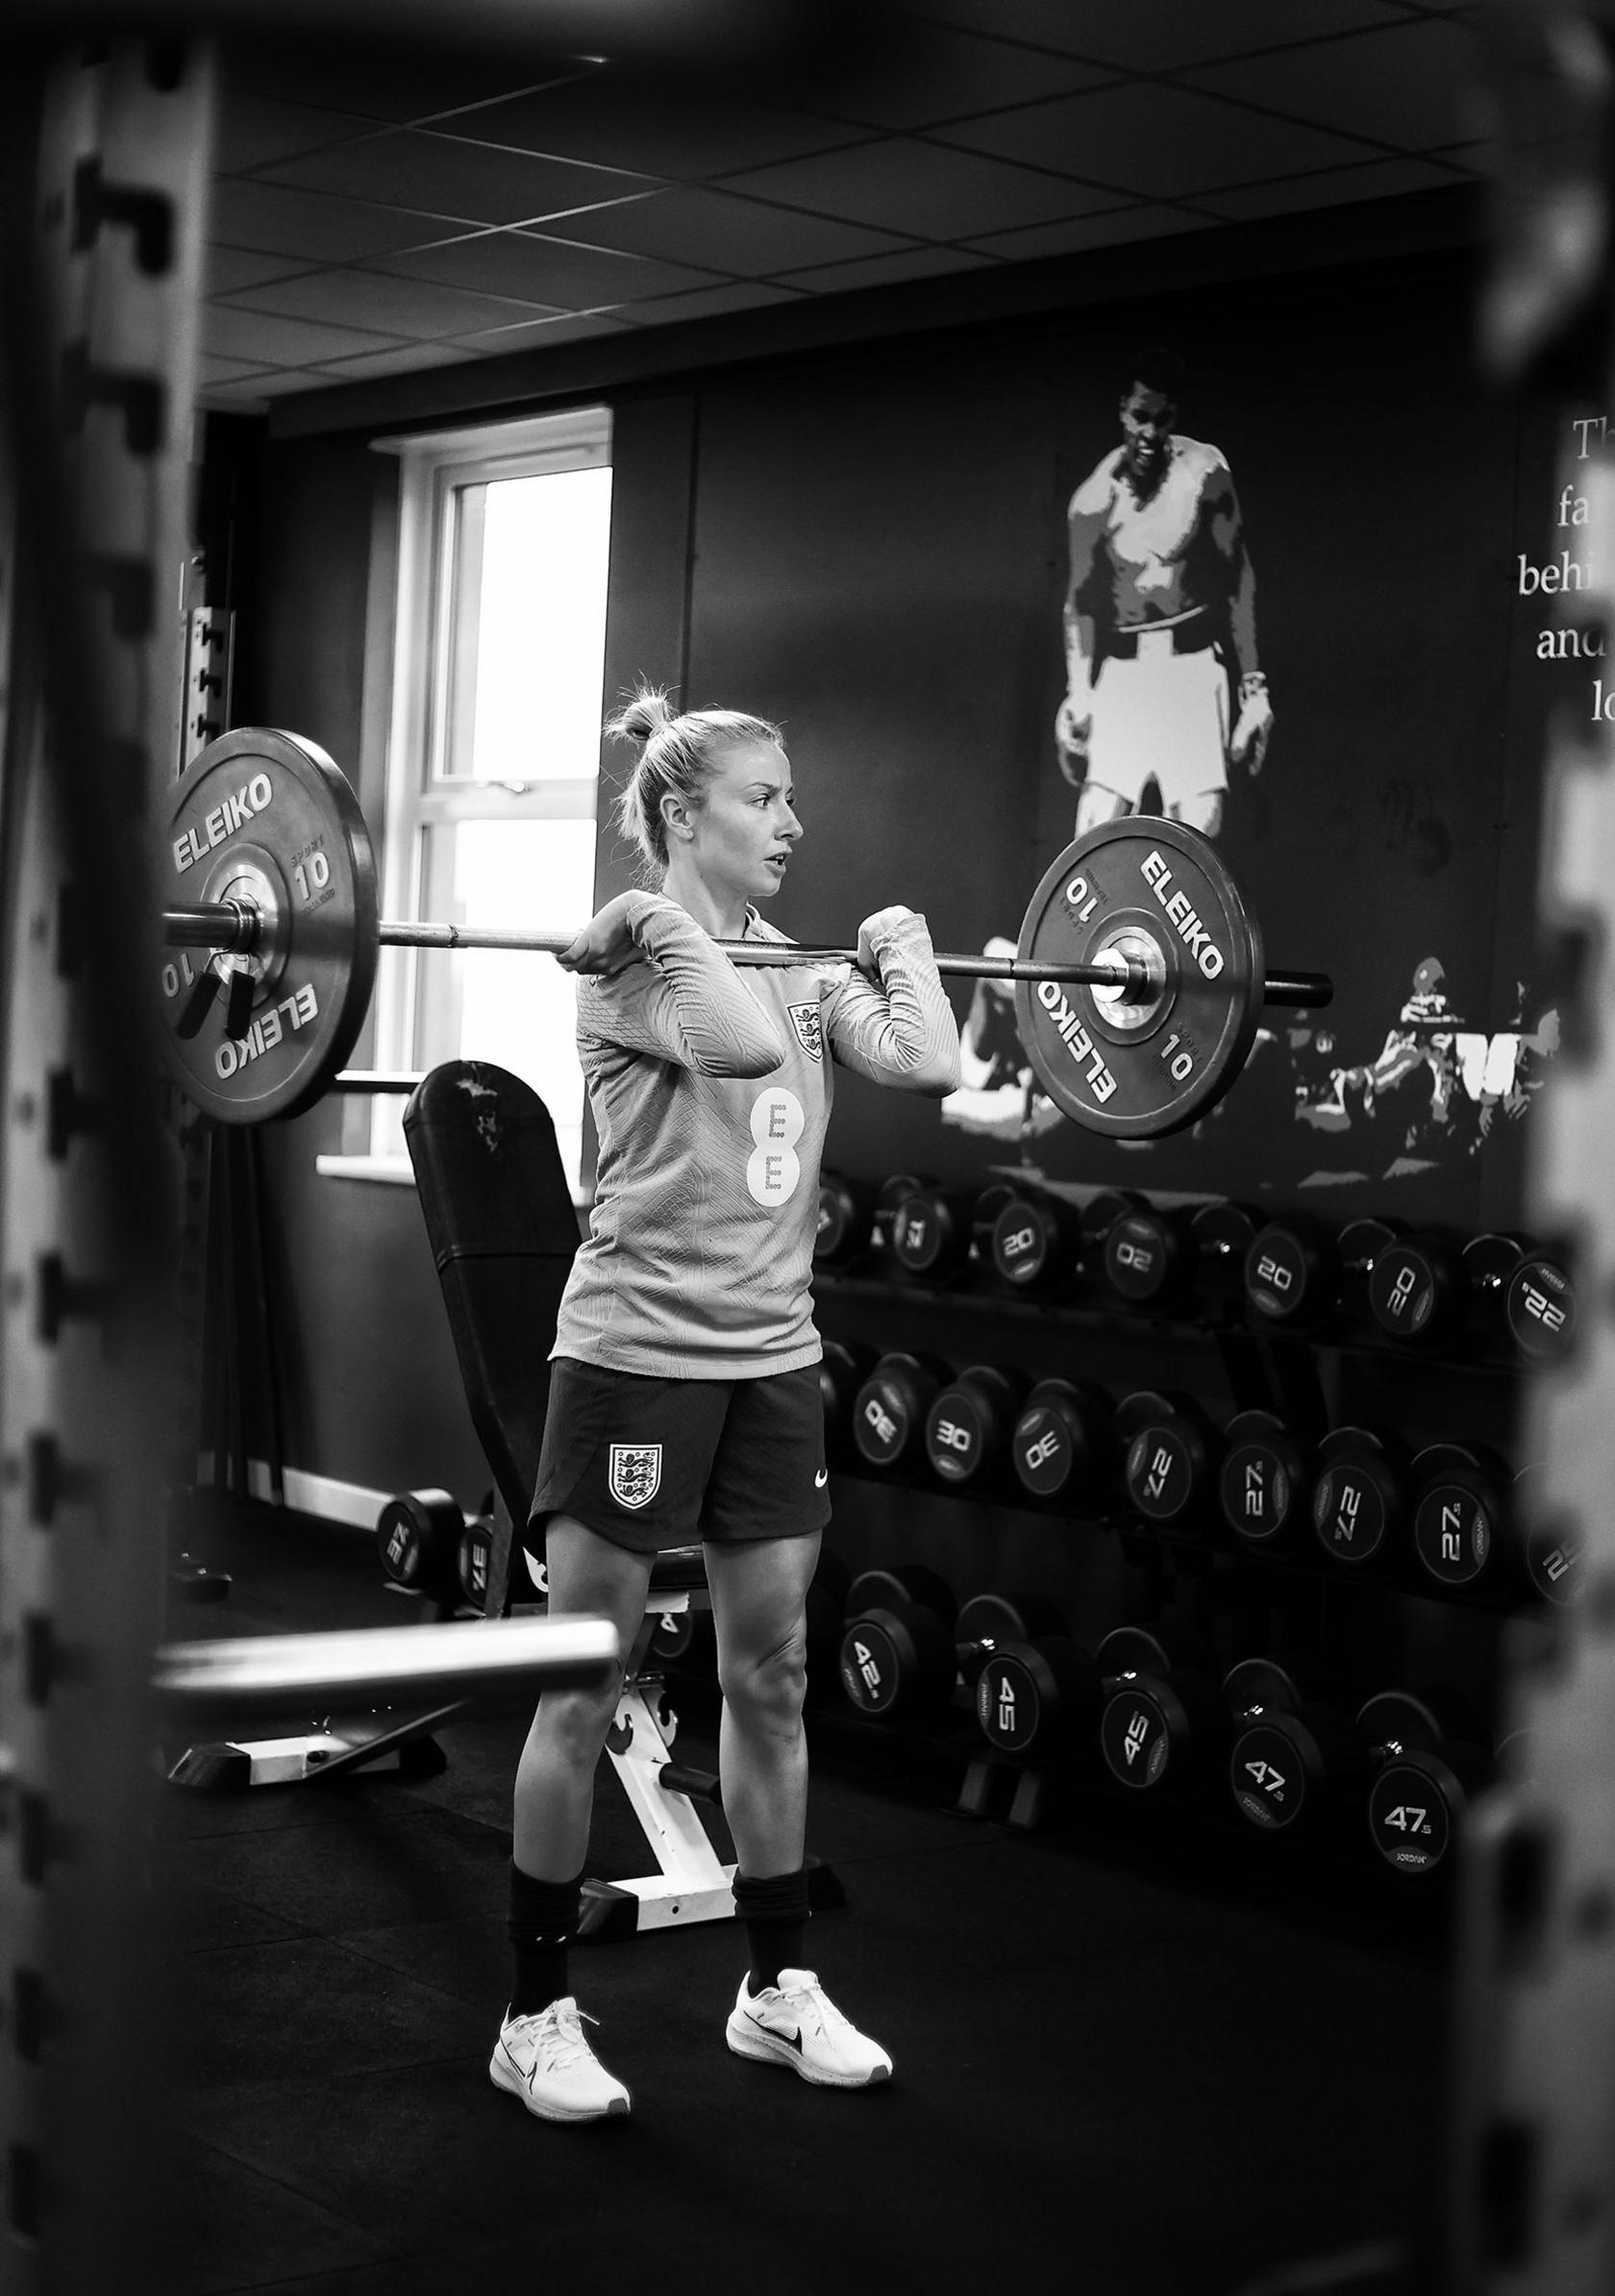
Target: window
{"points": [[494, 750]]}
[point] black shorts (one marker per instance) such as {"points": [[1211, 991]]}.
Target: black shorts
{"points": [[656, 1462]]}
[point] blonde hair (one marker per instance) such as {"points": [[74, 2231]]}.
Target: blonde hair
{"points": [[679, 757]]}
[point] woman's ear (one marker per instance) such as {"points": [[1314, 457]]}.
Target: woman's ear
{"points": [[676, 816]]}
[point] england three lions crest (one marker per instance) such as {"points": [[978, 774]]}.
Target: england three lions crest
{"points": [[808, 1025], [634, 1476]]}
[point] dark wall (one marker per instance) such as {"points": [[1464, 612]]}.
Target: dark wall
{"points": [[870, 547]]}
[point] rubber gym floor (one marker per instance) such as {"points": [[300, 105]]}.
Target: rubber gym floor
{"points": [[1148, 2053]]}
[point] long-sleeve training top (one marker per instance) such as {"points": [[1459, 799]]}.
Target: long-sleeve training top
{"points": [[711, 1090]]}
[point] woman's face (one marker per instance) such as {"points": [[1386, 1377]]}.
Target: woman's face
{"points": [[744, 829]]}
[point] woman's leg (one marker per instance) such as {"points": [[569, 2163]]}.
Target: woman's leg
{"points": [[760, 1592], [555, 1778]]}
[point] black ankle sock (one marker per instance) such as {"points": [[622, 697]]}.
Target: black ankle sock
{"points": [[776, 1911], [543, 1921]]}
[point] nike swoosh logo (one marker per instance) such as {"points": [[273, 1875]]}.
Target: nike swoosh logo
{"points": [[792, 2040], [821, 1478]]}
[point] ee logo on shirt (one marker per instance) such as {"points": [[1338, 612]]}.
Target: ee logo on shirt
{"points": [[774, 1167]]}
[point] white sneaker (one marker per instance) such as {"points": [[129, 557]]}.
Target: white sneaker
{"points": [[796, 2023], [546, 2061]]}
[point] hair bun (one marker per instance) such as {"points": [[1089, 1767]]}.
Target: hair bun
{"points": [[645, 715]]}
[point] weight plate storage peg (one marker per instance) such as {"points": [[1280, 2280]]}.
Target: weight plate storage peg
{"points": [[1064, 1445], [267, 820], [1264, 1483], [1159, 896]]}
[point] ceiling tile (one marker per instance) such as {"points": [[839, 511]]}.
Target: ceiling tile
{"points": [[929, 72], [281, 385], [1380, 179], [1114, 229], [227, 270], [924, 189], [540, 335], [1158, 142], [707, 302], [1161, 35], [276, 343], [406, 307], [725, 232], [1410, 87], [253, 131], [379, 82], [472, 182], [629, 122], [884, 270], [277, 220], [411, 359], [213, 369], [536, 269]]}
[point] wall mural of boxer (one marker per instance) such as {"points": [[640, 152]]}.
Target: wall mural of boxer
{"points": [[1167, 710]]}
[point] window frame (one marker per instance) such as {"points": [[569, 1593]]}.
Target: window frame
{"points": [[419, 793]]}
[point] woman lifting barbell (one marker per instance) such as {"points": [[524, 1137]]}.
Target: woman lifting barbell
{"points": [[685, 1399]]}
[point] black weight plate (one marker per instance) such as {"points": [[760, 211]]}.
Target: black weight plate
{"points": [[1409, 1818], [1268, 1776], [267, 816], [1158, 1067], [1539, 1306], [1136, 1739]]}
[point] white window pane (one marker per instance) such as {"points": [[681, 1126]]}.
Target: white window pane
{"points": [[536, 652], [517, 1010]]}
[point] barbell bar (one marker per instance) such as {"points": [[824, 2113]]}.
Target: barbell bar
{"points": [[1138, 978], [236, 928], [351, 1667]]}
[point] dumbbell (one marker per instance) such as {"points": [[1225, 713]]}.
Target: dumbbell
{"points": [[1063, 1448], [970, 1425], [1264, 1484], [1292, 1756], [1539, 1307], [1037, 1689], [1550, 1548], [933, 1230], [418, 1541], [1427, 1764], [1419, 1289], [1462, 1531], [1361, 1497], [1297, 1273], [845, 1221], [1162, 1719], [1170, 1462], [897, 1655], [1220, 1236], [1036, 1243], [474, 1558], [843, 1369], [890, 1409]]}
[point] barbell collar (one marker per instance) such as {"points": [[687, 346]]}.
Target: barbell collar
{"points": [[233, 927]]}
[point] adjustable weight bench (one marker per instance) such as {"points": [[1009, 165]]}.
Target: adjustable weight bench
{"points": [[502, 1229]]}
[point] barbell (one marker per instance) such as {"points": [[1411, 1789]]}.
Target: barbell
{"points": [[1138, 977]]}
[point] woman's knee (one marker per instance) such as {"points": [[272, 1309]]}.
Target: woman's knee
{"points": [[571, 1725], [770, 1684]]}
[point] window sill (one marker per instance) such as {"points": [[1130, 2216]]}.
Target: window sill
{"points": [[396, 1171]]}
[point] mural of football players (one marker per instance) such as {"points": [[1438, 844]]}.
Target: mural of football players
{"points": [[1163, 677], [1423, 1043]]}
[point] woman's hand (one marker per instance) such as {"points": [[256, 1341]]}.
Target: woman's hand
{"points": [[872, 929], [606, 946]]}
